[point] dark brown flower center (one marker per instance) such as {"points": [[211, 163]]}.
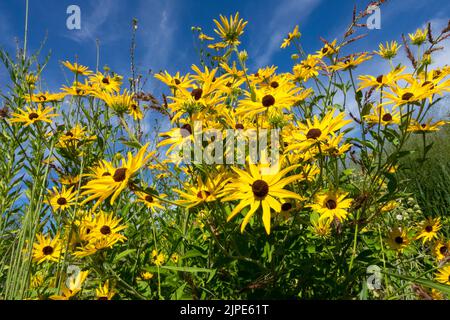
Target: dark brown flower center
{"points": [[149, 198], [47, 250], [407, 96], [331, 204], [177, 81], [398, 240], [426, 83], [423, 125], [203, 194], [324, 50], [268, 100], [105, 230], [69, 134], [380, 79], [239, 126], [387, 117], [197, 94], [120, 174], [134, 106], [286, 206], [105, 80], [260, 188], [42, 98], [274, 84], [443, 250], [33, 116], [313, 133], [61, 201], [429, 228]]}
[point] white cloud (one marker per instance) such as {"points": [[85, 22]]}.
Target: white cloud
{"points": [[282, 20]]}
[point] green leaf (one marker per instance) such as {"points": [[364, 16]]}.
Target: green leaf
{"points": [[424, 282], [187, 269], [123, 254]]}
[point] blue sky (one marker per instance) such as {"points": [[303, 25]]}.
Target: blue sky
{"points": [[165, 40]]}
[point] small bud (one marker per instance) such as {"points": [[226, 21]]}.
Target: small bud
{"points": [[243, 56]]}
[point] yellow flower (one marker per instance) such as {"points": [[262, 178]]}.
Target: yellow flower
{"points": [[204, 37], [268, 101], [104, 292], [331, 205], [151, 202], [389, 79], [201, 192], [425, 127], [315, 132], [230, 29], [135, 111], [441, 250], [389, 206], [295, 34], [443, 275], [158, 258], [328, 49], [307, 68], [351, 62], [44, 97], [175, 257], [429, 229], [177, 138], [146, 275], [113, 184], [383, 117], [321, 227], [101, 82], [32, 115], [120, 103], [176, 81], [61, 200], [388, 51], [418, 37], [94, 245], [398, 239], [47, 249], [409, 95], [256, 189], [73, 137], [106, 225], [37, 280], [77, 68]]}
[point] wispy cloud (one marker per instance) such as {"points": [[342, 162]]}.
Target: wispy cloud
{"points": [[158, 32], [270, 33]]}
